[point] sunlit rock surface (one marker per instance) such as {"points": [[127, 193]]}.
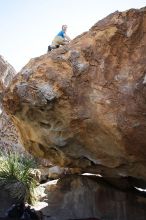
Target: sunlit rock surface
{"points": [[7, 72], [84, 105]]}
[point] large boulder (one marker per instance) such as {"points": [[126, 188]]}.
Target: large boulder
{"points": [[7, 72], [84, 105], [9, 135], [82, 197]]}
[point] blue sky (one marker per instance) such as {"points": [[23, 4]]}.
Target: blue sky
{"points": [[27, 27]]}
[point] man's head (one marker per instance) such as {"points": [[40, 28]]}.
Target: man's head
{"points": [[64, 27]]}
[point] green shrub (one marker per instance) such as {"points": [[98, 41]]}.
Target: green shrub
{"points": [[15, 176]]}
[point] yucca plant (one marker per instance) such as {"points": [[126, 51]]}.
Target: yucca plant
{"points": [[15, 176]]}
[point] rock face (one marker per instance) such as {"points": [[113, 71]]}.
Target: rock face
{"points": [[84, 105], [81, 197], [7, 72], [9, 138]]}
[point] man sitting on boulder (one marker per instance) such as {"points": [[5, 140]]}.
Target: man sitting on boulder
{"points": [[60, 39]]}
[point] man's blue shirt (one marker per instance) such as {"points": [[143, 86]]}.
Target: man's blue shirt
{"points": [[61, 34]]}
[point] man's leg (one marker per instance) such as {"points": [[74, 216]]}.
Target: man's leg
{"points": [[57, 41], [51, 47], [54, 46], [65, 42]]}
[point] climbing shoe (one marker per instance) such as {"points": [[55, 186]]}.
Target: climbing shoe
{"points": [[49, 48]]}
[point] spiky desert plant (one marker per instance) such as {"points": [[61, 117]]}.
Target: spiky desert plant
{"points": [[15, 176]]}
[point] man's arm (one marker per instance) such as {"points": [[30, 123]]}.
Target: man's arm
{"points": [[67, 37]]}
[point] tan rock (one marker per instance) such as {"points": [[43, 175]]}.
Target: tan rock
{"points": [[83, 105], [7, 72], [43, 174], [81, 197]]}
